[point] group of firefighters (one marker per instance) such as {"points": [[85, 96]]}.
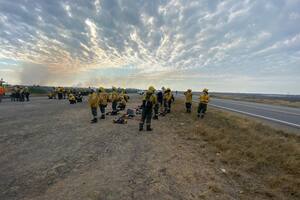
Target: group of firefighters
{"points": [[153, 104], [101, 98], [72, 95], [20, 93]]}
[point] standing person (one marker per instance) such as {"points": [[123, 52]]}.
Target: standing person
{"points": [[160, 98], [204, 99], [167, 100], [64, 93], [60, 93], [27, 93], [114, 97], [2, 92], [124, 95], [188, 100], [93, 102], [17, 89], [148, 104], [103, 98], [22, 95]]}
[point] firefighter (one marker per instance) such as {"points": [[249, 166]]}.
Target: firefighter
{"points": [[204, 99], [17, 89], [94, 102], [22, 95], [114, 97], [2, 92], [122, 104], [168, 100], [27, 93], [103, 99], [188, 100], [60, 93], [72, 98], [149, 102], [124, 95]]}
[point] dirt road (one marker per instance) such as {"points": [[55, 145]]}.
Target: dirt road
{"points": [[49, 150]]}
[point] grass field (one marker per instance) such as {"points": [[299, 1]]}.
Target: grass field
{"points": [[262, 162]]}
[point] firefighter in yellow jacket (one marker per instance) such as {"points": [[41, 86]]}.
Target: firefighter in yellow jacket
{"points": [[72, 98], [124, 95], [168, 100], [114, 97], [149, 101], [103, 98], [188, 100], [94, 102], [204, 99]]}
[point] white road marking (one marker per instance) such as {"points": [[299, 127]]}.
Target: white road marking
{"points": [[255, 115], [260, 116]]}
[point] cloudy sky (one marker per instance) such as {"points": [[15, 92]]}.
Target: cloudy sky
{"points": [[229, 45]]}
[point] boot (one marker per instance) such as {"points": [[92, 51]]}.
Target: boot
{"points": [[149, 128], [155, 117], [94, 120], [141, 127], [103, 116]]}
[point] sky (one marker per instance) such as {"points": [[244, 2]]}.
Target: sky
{"points": [[223, 45]]}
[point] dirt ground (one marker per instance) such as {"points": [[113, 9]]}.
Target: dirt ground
{"points": [[49, 150]]}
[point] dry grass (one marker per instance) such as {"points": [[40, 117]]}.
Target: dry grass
{"points": [[264, 163]]}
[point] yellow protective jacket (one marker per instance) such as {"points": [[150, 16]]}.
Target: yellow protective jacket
{"points": [[122, 100], [114, 96], [103, 98], [168, 96], [188, 97], [93, 100], [125, 96], [71, 97], [204, 98], [149, 97]]}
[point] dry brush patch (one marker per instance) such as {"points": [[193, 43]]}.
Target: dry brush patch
{"points": [[263, 162]]}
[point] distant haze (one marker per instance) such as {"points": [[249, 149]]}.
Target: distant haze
{"points": [[226, 46]]}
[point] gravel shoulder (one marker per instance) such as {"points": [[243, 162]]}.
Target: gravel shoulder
{"points": [[49, 150]]}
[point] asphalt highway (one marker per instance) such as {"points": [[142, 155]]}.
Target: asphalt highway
{"points": [[278, 114]]}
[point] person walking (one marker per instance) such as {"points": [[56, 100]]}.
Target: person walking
{"points": [[188, 100], [204, 99]]}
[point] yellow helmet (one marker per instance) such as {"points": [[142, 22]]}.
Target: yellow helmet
{"points": [[151, 88], [168, 90], [101, 89], [205, 90], [189, 90]]}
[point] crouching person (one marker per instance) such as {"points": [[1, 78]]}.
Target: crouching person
{"points": [[103, 98], [149, 102], [204, 99], [72, 99], [93, 102]]}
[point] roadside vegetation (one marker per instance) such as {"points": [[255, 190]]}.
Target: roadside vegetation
{"points": [[260, 162]]}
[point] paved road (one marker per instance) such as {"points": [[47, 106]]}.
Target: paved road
{"points": [[278, 114]]}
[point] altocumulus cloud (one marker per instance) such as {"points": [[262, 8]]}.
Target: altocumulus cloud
{"points": [[180, 43]]}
